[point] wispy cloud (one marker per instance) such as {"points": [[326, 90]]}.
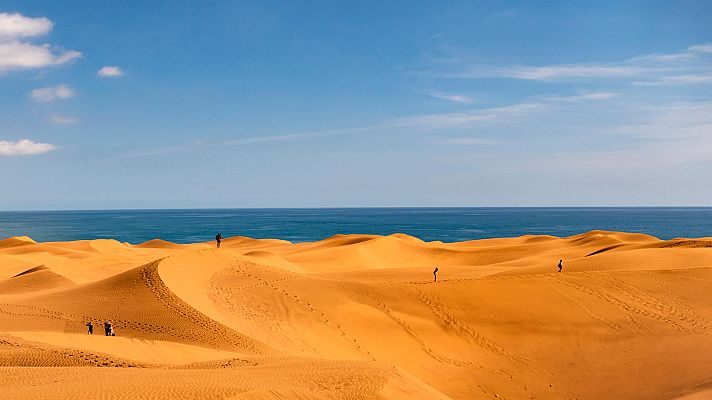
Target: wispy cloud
{"points": [[156, 151], [701, 48], [665, 135], [694, 59], [17, 55], [455, 98], [677, 80], [61, 119], [551, 72], [672, 122], [110, 72], [309, 135], [433, 121], [461, 141], [52, 93], [24, 147], [583, 96]]}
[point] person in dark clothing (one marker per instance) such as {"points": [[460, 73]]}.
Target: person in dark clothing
{"points": [[218, 238], [90, 327], [435, 274], [561, 265], [108, 329]]}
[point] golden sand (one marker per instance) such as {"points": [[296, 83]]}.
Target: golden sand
{"points": [[358, 317]]}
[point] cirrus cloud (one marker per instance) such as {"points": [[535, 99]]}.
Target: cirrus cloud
{"points": [[694, 60]]}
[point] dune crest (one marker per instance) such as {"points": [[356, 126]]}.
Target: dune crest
{"points": [[16, 241], [359, 317], [34, 279]]}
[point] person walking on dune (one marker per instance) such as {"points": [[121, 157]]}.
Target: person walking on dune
{"points": [[218, 239], [435, 274], [108, 329], [90, 327], [561, 265]]}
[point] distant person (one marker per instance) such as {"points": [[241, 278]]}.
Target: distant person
{"points": [[218, 239], [435, 274], [108, 329], [90, 327], [561, 265]]}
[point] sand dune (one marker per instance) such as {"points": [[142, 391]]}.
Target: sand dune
{"points": [[358, 317], [34, 279]]}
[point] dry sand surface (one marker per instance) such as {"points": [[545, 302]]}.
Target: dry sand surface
{"points": [[358, 317]]}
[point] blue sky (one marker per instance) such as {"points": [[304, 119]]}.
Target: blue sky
{"points": [[311, 104]]}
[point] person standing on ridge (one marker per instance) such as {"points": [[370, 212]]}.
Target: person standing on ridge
{"points": [[435, 274], [218, 239], [90, 327], [560, 265]]}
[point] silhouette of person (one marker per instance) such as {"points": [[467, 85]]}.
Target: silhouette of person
{"points": [[106, 328], [560, 265], [435, 274], [218, 238], [90, 327]]}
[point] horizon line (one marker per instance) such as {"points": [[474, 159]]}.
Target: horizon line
{"points": [[350, 208]]}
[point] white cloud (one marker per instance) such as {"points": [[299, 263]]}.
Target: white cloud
{"points": [[60, 119], [52, 93], [448, 119], [677, 80], [462, 141], [435, 121], [308, 135], [24, 147], [673, 122], [693, 60], [701, 48], [110, 71], [552, 72], [584, 96], [426, 121], [455, 98], [16, 55], [16, 25]]}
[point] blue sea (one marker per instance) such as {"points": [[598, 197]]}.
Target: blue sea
{"points": [[302, 225]]}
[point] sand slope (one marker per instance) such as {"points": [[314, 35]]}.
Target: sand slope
{"points": [[358, 317]]}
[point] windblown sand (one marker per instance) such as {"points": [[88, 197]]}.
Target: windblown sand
{"points": [[358, 317]]}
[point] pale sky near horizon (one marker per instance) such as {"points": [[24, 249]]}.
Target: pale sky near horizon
{"points": [[337, 104]]}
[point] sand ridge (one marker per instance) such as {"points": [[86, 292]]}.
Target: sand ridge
{"points": [[359, 316]]}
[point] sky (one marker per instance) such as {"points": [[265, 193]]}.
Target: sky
{"points": [[163, 104]]}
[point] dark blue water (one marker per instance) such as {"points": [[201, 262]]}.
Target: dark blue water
{"points": [[300, 225]]}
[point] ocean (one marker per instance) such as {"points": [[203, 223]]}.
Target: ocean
{"points": [[303, 225]]}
